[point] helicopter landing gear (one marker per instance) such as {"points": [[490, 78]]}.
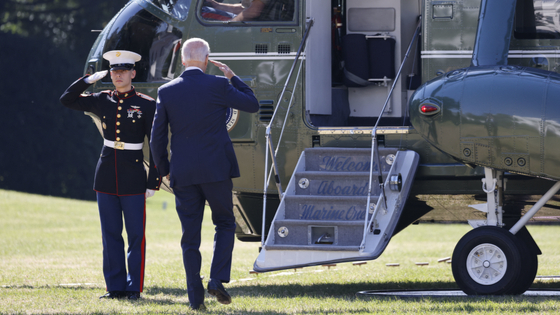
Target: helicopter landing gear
{"points": [[486, 261], [492, 260]]}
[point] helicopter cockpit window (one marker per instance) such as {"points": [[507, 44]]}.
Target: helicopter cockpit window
{"points": [[177, 8], [159, 44], [247, 10], [537, 19]]}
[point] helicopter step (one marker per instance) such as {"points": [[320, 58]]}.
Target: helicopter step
{"points": [[324, 216]]}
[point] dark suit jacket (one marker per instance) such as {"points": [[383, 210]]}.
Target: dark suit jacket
{"points": [[195, 106]]}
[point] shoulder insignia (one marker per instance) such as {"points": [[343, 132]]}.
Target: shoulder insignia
{"points": [[144, 96]]}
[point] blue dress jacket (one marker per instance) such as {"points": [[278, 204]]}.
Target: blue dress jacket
{"points": [[125, 117]]}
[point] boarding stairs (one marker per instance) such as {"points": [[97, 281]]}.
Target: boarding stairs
{"points": [[324, 216], [336, 208]]}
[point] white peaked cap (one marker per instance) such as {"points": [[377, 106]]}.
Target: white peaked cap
{"points": [[121, 59]]}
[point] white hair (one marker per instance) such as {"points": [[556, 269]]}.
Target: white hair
{"points": [[196, 49]]}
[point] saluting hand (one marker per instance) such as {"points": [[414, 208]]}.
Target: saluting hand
{"points": [[224, 68], [90, 79]]}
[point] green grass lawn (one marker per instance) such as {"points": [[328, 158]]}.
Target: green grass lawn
{"points": [[50, 263]]}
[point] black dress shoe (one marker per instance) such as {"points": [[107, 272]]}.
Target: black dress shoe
{"points": [[199, 307], [113, 295], [216, 289], [132, 295]]}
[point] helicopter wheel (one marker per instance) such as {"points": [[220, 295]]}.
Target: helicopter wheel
{"points": [[488, 261], [529, 264]]}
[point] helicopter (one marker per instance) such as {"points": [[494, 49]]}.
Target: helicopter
{"points": [[371, 110]]}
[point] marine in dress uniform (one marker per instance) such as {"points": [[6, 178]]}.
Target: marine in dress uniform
{"points": [[120, 177]]}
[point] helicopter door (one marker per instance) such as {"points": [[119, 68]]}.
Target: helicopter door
{"points": [[382, 29], [318, 59]]}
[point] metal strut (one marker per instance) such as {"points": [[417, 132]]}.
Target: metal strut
{"points": [[527, 216]]}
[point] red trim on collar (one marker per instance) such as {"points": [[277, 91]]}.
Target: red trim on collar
{"points": [[122, 96]]}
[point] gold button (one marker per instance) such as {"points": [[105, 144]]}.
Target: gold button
{"points": [[133, 120], [136, 160], [157, 187], [118, 139], [119, 108], [118, 123], [157, 178], [118, 131], [121, 101], [118, 115], [103, 117]]}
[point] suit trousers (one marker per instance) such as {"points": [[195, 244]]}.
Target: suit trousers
{"points": [[111, 211], [190, 201]]}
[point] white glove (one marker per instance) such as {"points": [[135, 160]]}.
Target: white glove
{"points": [[90, 79], [149, 193]]}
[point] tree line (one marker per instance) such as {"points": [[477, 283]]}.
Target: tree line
{"points": [[46, 148]]}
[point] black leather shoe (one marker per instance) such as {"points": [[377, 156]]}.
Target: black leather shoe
{"points": [[216, 289], [132, 295], [112, 295], [199, 307]]}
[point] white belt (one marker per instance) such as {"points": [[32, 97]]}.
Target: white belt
{"points": [[119, 145]]}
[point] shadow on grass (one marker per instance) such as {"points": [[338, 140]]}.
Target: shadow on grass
{"points": [[176, 292], [349, 290], [330, 290]]}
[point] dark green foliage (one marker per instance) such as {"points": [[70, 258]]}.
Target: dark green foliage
{"points": [[46, 148]]}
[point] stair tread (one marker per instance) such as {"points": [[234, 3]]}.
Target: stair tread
{"points": [[320, 222], [313, 247], [337, 174], [326, 197]]}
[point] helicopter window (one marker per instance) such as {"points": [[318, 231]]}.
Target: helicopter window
{"points": [[157, 42], [177, 8], [537, 19], [247, 10]]}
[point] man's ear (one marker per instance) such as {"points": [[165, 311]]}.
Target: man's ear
{"points": [[133, 74]]}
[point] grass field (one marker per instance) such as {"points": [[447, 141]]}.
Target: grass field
{"points": [[50, 263]]}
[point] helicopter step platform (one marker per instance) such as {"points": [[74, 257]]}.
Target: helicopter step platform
{"points": [[324, 216]]}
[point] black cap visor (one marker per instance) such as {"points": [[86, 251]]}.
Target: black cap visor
{"points": [[122, 66]]}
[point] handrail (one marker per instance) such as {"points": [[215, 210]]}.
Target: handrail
{"points": [[270, 145], [375, 147]]}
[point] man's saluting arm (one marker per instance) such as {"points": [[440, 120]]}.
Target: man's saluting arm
{"points": [[73, 98], [240, 95]]}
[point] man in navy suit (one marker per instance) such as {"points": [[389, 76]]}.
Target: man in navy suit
{"points": [[203, 161]]}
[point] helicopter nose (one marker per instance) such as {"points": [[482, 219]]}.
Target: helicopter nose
{"points": [[434, 113], [422, 111]]}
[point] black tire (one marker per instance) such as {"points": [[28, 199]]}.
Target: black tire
{"points": [[529, 263], [488, 261]]}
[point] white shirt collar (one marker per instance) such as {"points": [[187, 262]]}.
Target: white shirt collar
{"points": [[192, 68]]}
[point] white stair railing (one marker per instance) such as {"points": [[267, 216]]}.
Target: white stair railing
{"points": [[270, 144], [375, 147]]}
